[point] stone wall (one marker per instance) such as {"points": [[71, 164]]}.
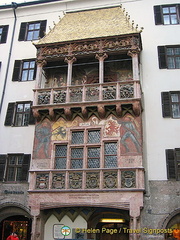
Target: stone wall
{"points": [[160, 202]]}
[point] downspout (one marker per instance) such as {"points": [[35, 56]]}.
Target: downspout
{"points": [[14, 6]]}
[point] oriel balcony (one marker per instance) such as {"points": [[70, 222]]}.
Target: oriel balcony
{"points": [[87, 83]]}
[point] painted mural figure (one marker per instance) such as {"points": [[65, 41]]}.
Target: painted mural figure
{"points": [[130, 133], [43, 134]]}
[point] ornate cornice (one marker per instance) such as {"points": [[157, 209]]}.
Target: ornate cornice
{"points": [[116, 44]]}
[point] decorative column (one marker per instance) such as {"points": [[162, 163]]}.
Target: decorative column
{"points": [[101, 57], [135, 65], [40, 64], [69, 60]]}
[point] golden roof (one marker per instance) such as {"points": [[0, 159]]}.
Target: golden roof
{"points": [[89, 24]]}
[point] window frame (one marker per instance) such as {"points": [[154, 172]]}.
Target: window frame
{"points": [[23, 33], [18, 70], [163, 57], [5, 166], [11, 114], [85, 146], [167, 104], [159, 15]]}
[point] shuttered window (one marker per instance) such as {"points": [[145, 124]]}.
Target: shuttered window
{"points": [[19, 114], [173, 163], [3, 33], [24, 70], [167, 14], [169, 57], [14, 167], [171, 104], [32, 30]]}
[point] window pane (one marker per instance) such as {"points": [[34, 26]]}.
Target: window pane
{"points": [[93, 157], [19, 160], [172, 9], [177, 51], [166, 19], [61, 156], [77, 137], [36, 35], [20, 107], [177, 59], [18, 121], [25, 119], [18, 174], [37, 26], [31, 74], [27, 107], [31, 27], [32, 64], [110, 151], [30, 36], [94, 136], [171, 63], [1, 30], [174, 97], [165, 10], [12, 160], [26, 65], [170, 51], [175, 110], [11, 174], [76, 158], [24, 75], [174, 19]]}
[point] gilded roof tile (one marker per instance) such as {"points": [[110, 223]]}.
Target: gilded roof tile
{"points": [[89, 24]]}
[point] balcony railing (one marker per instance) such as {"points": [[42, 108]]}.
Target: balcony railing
{"points": [[123, 90], [86, 179]]}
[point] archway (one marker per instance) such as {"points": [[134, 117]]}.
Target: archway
{"points": [[15, 218]]}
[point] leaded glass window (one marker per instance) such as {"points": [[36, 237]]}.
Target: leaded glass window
{"points": [[61, 156], [76, 158], [94, 157], [94, 136], [77, 137], [110, 155]]}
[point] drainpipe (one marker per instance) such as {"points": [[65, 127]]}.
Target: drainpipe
{"points": [[14, 6]]}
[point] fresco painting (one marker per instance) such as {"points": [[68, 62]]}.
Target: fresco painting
{"points": [[127, 129]]}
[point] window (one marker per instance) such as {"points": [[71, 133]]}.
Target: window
{"points": [[169, 57], [14, 167], [86, 151], [3, 33], [19, 114], [173, 163], [32, 30], [167, 14], [171, 104], [24, 70]]}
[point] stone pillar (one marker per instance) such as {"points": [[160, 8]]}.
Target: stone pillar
{"points": [[36, 230], [101, 57], [135, 65], [39, 75], [69, 60]]}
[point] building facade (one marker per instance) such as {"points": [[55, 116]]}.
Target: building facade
{"points": [[89, 119]]}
